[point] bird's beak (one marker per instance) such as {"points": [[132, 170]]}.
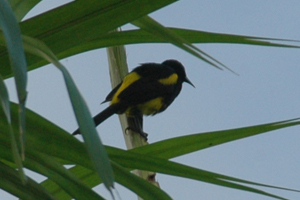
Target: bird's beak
{"points": [[189, 82]]}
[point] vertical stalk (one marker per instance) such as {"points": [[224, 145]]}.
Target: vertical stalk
{"points": [[118, 69]]}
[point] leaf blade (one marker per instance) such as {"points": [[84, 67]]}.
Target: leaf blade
{"points": [[93, 143], [21, 8]]}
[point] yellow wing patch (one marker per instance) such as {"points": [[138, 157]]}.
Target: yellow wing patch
{"points": [[128, 80], [171, 80]]}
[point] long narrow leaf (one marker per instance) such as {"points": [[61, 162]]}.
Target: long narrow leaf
{"points": [[21, 7], [193, 36], [49, 167], [54, 144], [14, 148], [96, 40], [153, 27], [141, 187], [62, 30], [18, 63], [89, 177], [45, 144], [45, 164], [152, 163], [11, 183], [5, 100], [191, 143], [14, 44], [123, 176], [45, 137], [93, 143]]}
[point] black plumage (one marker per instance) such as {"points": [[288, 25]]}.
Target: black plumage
{"points": [[148, 89]]}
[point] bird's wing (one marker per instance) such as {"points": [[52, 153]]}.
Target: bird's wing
{"points": [[111, 94], [143, 90]]}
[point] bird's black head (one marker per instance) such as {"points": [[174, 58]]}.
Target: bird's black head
{"points": [[179, 69]]}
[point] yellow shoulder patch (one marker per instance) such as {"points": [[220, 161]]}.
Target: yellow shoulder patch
{"points": [[128, 80], [171, 80]]}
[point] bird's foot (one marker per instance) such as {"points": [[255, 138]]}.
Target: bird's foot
{"points": [[140, 132]]}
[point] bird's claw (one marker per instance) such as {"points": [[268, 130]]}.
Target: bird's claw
{"points": [[141, 133]]}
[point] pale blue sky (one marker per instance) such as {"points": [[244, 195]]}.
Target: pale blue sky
{"points": [[266, 90]]}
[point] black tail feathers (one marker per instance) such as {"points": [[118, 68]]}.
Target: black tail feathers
{"points": [[101, 117]]}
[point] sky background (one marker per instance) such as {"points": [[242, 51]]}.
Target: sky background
{"points": [[266, 90]]}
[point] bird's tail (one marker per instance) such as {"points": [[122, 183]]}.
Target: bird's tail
{"points": [[101, 117]]}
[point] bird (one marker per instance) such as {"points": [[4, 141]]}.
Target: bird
{"points": [[147, 90]]}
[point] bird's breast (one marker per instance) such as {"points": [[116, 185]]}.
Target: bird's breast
{"points": [[152, 107]]}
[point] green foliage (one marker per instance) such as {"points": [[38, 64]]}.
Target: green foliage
{"points": [[47, 150]]}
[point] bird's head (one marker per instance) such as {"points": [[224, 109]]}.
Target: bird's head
{"points": [[179, 69]]}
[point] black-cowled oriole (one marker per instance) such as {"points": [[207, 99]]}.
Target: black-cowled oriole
{"points": [[148, 89]]}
